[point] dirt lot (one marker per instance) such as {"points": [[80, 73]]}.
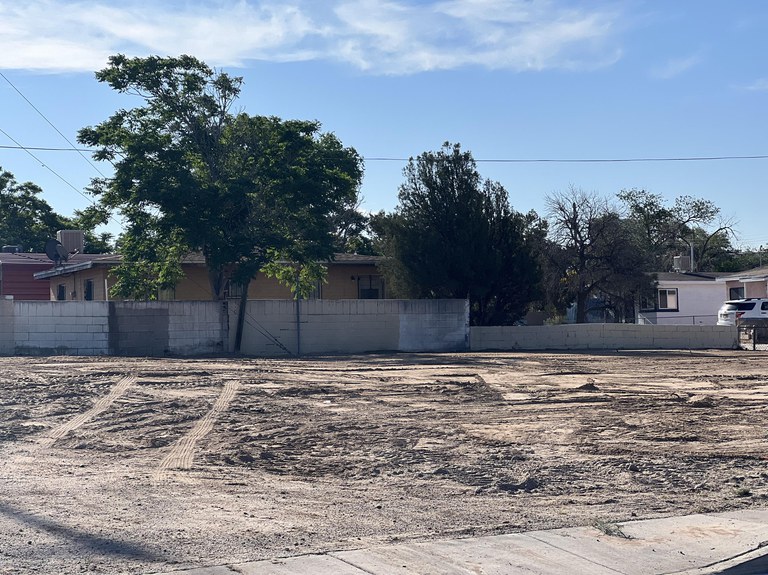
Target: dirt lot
{"points": [[112, 465]]}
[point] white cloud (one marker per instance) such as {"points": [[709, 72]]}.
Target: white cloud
{"points": [[385, 37], [675, 67], [760, 85]]}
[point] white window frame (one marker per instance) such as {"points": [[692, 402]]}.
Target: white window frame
{"points": [[668, 293]]}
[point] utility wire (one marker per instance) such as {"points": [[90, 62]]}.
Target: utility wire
{"points": [[46, 166], [490, 160], [44, 149], [44, 117], [588, 160], [54, 172], [71, 148]]}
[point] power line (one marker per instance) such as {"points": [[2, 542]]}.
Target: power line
{"points": [[54, 172], [44, 117], [71, 148], [589, 160], [490, 160], [46, 166], [42, 149]]}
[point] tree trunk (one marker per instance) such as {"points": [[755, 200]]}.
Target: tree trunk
{"points": [[217, 281], [581, 306], [241, 318]]}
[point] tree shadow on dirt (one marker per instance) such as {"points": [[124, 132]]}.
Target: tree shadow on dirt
{"points": [[88, 541]]}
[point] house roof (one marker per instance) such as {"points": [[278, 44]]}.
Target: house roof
{"points": [[356, 259], [689, 276], [23, 258], [80, 262], [755, 274]]}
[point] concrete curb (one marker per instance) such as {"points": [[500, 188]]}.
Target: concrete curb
{"points": [[734, 543]]}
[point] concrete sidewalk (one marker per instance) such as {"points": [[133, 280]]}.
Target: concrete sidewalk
{"points": [[734, 543]]}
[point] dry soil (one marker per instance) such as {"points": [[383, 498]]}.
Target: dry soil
{"points": [[133, 465]]}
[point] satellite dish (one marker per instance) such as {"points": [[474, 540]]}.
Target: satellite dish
{"points": [[56, 252]]}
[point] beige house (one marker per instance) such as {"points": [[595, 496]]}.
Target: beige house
{"points": [[750, 283], [87, 277]]}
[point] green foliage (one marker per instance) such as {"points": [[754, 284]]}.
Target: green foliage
{"points": [[742, 259], [26, 219], [454, 235], [87, 220], [151, 261], [351, 230], [595, 252], [611, 529], [191, 176], [670, 231], [301, 279]]}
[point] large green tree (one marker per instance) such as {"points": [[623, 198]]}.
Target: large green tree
{"points": [[27, 220], [454, 235], [689, 226], [190, 175]]}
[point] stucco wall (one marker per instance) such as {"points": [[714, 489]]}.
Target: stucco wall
{"points": [[698, 303], [194, 286], [351, 326], [603, 336]]}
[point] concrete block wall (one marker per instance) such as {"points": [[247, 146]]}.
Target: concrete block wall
{"points": [[603, 336], [197, 327], [112, 328], [325, 326], [167, 328], [434, 325], [352, 326], [7, 327], [61, 328]]}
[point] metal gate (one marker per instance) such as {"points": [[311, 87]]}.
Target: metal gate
{"points": [[753, 335]]}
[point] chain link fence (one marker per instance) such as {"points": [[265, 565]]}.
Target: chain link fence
{"points": [[753, 335]]}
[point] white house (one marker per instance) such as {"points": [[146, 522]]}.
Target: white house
{"points": [[685, 298]]}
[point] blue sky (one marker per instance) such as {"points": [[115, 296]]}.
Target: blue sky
{"points": [[508, 79]]}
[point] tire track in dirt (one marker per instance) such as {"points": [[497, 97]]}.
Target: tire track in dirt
{"points": [[182, 454], [100, 406]]}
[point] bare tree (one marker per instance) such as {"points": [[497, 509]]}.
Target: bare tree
{"points": [[599, 251]]}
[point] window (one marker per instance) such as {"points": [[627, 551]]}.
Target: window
{"points": [[370, 287], [736, 293], [88, 290], [234, 289], [61, 292], [317, 291], [764, 306], [740, 306], [667, 299], [168, 294]]}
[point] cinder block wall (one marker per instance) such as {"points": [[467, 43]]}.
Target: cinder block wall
{"points": [[603, 336], [272, 327], [61, 328], [7, 322], [324, 326], [114, 328], [167, 328], [197, 327]]}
